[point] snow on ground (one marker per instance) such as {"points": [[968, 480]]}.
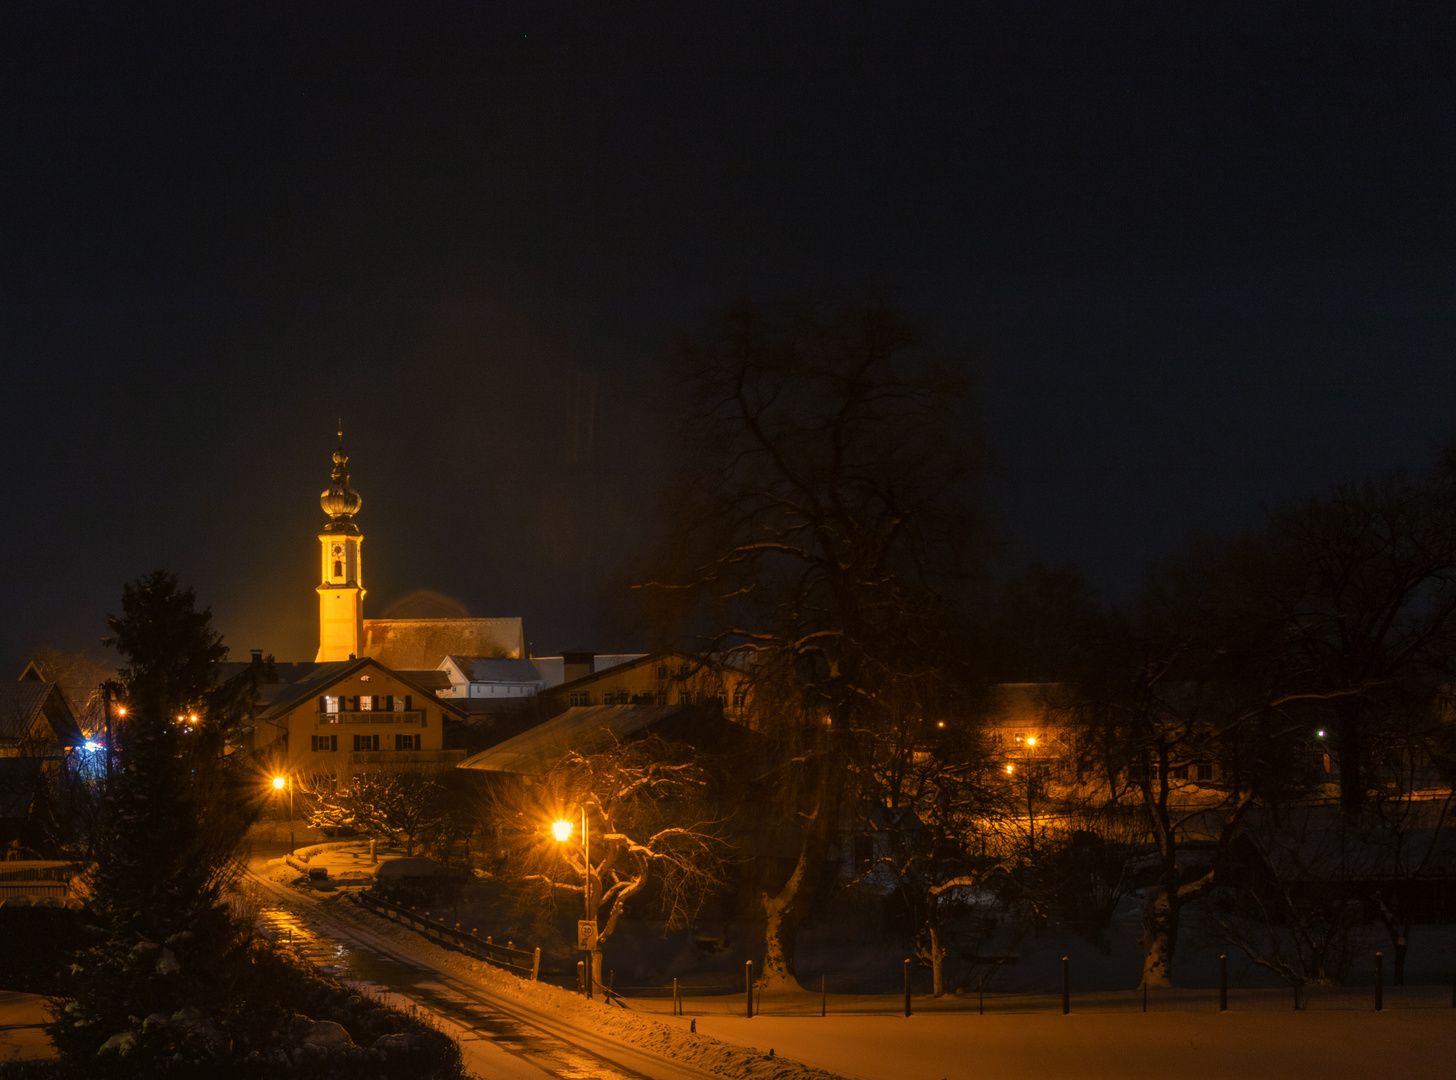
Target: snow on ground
{"points": [[1336, 1035], [1023, 1037], [21, 1037]]}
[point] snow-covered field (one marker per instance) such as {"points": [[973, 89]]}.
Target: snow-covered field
{"points": [[1337, 1035]]}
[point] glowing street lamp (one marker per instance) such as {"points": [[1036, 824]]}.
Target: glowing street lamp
{"points": [[562, 831], [279, 783]]}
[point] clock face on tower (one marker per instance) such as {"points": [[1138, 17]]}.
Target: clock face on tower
{"points": [[338, 550]]}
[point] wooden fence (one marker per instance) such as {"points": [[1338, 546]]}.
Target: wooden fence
{"points": [[523, 962]]}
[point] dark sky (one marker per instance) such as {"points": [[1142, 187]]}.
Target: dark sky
{"points": [[1201, 258]]}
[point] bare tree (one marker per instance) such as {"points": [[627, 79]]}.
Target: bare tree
{"points": [[817, 529], [402, 807], [651, 834]]}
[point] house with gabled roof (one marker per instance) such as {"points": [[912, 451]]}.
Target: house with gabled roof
{"points": [[350, 716], [35, 718]]}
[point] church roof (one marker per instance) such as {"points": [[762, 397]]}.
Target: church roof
{"points": [[420, 644], [496, 669]]}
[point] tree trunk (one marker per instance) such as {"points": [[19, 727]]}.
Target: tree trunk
{"points": [[937, 968], [784, 911], [1160, 936]]}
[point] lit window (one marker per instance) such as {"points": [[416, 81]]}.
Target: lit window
{"points": [[331, 704], [366, 704]]}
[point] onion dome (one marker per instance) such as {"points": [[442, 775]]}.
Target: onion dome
{"points": [[340, 501]]}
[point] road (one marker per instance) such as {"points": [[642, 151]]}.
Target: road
{"points": [[499, 1037]]}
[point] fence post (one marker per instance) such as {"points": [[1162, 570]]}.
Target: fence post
{"points": [[907, 986], [1223, 982], [536, 965], [676, 1001], [580, 978], [1379, 982], [824, 995], [1066, 986], [748, 986]]}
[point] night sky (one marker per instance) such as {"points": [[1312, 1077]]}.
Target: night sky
{"points": [[1200, 258]]}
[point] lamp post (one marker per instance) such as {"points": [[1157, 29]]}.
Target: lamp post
{"points": [[279, 782], [562, 831], [1030, 794]]}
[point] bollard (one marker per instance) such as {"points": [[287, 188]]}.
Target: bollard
{"points": [[907, 986], [676, 1001], [1223, 982], [748, 987], [1379, 982], [824, 995], [580, 977], [1066, 986]]}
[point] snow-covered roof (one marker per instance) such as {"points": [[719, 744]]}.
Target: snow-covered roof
{"points": [[584, 729], [495, 669]]}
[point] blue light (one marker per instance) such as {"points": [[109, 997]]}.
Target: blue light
{"points": [[93, 746]]}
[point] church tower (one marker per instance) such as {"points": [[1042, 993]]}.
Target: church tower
{"points": [[341, 588]]}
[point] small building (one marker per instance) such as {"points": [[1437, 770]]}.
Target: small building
{"points": [[663, 678], [353, 716], [490, 680], [35, 719], [570, 666]]}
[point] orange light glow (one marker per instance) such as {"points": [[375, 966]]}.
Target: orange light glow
{"points": [[561, 830], [1031, 741], [278, 783]]}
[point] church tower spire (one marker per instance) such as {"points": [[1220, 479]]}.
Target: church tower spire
{"points": [[341, 589]]}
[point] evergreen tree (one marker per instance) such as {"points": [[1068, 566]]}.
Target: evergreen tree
{"points": [[172, 820]]}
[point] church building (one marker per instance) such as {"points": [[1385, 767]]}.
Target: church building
{"points": [[348, 711]]}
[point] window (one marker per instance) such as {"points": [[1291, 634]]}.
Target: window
{"points": [[1205, 772], [740, 695], [662, 671], [329, 706], [325, 742], [580, 697], [1179, 772], [366, 742], [406, 742], [367, 703], [338, 568]]}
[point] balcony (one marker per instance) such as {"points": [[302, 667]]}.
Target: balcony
{"points": [[399, 717], [403, 760]]}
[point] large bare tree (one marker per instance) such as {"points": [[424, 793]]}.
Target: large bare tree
{"points": [[817, 531]]}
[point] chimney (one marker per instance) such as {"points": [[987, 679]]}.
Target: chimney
{"points": [[257, 657], [577, 665]]}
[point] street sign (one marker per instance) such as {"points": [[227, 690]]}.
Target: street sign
{"points": [[586, 934]]}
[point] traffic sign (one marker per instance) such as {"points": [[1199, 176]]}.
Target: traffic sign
{"points": [[586, 934]]}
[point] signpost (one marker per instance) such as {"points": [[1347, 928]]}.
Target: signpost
{"points": [[586, 935]]}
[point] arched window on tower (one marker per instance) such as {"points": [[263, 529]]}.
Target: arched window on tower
{"points": [[338, 568]]}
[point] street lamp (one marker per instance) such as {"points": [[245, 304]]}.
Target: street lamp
{"points": [[279, 783], [562, 831]]}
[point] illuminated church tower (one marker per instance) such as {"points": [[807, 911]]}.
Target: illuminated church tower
{"points": [[341, 592]]}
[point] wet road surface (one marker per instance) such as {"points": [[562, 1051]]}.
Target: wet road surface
{"points": [[376, 974]]}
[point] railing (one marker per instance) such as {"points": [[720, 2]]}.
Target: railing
{"points": [[507, 956], [370, 716], [405, 759]]}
